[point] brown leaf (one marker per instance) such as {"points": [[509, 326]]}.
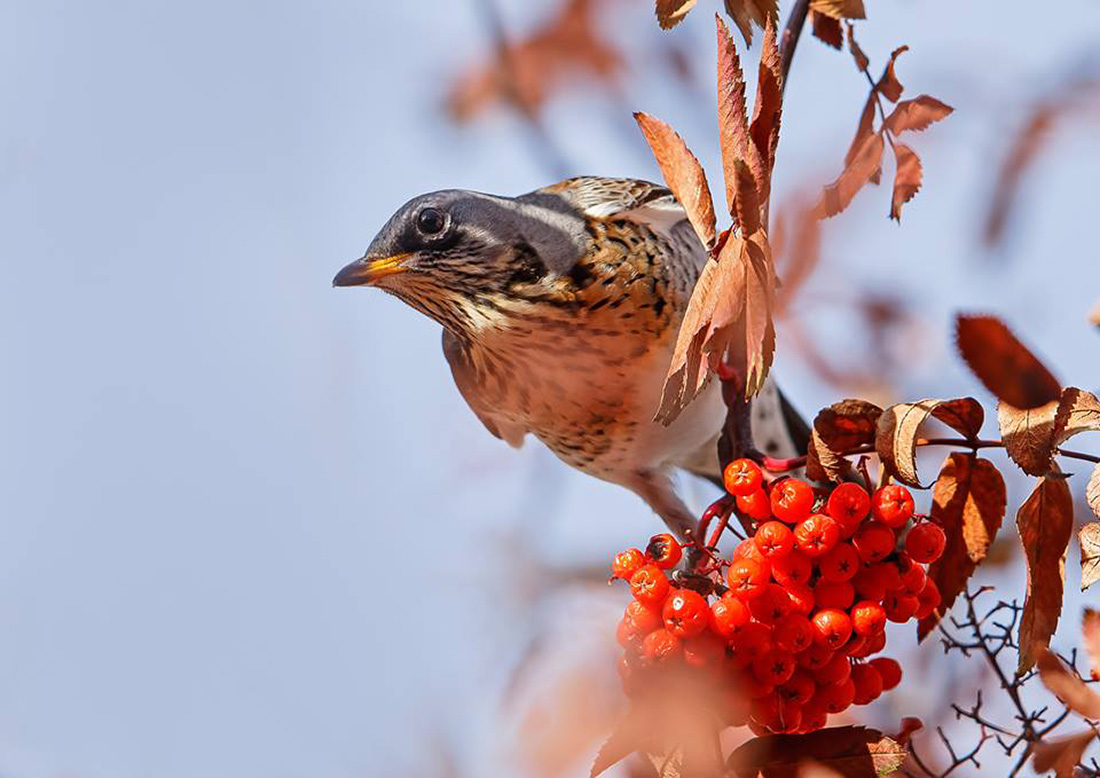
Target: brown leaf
{"points": [[839, 9], [840, 427], [907, 179], [1061, 756], [733, 122], [827, 29], [865, 163], [1088, 537], [747, 12], [682, 173], [889, 86], [1090, 632], [1078, 411], [864, 130], [1092, 491], [853, 752], [857, 54], [968, 502], [896, 437], [627, 738], [916, 114], [746, 205], [767, 112], [1028, 436], [1045, 523], [1001, 362], [672, 12], [1064, 684]]}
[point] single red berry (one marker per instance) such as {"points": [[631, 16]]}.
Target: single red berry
{"points": [[728, 614], [799, 689], [751, 687], [742, 477], [875, 643], [774, 668], [793, 633], [747, 549], [814, 717], [832, 627], [838, 697], [642, 617], [790, 718], [752, 640], [840, 564], [874, 542], [900, 607], [928, 599], [834, 595], [855, 644], [775, 715], [926, 542], [626, 563], [868, 618], [661, 647], [802, 599], [755, 505], [772, 605], [792, 500], [628, 636], [836, 670], [913, 576], [892, 505], [704, 650], [889, 670], [794, 569], [686, 613], [817, 535], [664, 550], [870, 584], [816, 656], [747, 578], [649, 585], [848, 505], [867, 682], [774, 539]]}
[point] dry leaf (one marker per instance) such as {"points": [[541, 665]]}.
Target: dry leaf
{"points": [[968, 502], [907, 179], [746, 203], [1088, 537], [627, 738], [1045, 523], [910, 725], [767, 113], [733, 121], [1090, 633], [916, 114], [1028, 436], [839, 9], [857, 54], [853, 752], [682, 173], [1078, 411], [840, 427], [1061, 756], [889, 86], [672, 12], [865, 163], [1092, 491], [1064, 684], [1006, 367], [827, 29], [747, 12], [896, 437]]}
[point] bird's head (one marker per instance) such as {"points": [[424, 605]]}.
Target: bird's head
{"points": [[466, 259]]}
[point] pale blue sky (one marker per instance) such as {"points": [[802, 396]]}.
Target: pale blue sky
{"points": [[247, 524]]}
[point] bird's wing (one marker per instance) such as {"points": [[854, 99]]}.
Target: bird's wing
{"points": [[466, 381], [619, 198]]}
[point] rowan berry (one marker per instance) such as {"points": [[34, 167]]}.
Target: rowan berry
{"points": [[802, 599], [816, 656], [889, 670], [814, 717], [835, 670], [834, 595], [848, 505], [793, 633], [874, 542], [685, 613], [742, 477], [626, 563], [926, 542], [747, 578], [627, 636], [928, 599], [867, 683], [794, 569], [792, 500], [661, 647], [755, 505], [868, 618], [773, 668], [799, 689], [664, 550], [772, 605], [839, 564], [752, 640], [774, 539], [900, 607], [704, 650], [892, 505], [832, 627], [747, 549], [913, 577], [642, 617], [875, 643], [728, 614], [649, 585], [870, 583], [753, 688], [839, 696], [816, 535]]}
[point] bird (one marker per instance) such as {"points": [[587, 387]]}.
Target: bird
{"points": [[560, 310]]}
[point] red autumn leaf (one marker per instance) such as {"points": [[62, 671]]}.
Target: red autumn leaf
{"points": [[864, 130], [1088, 537], [1064, 684], [1001, 362], [767, 112], [1045, 523], [746, 202], [1092, 491], [745, 13], [1090, 632], [865, 163], [916, 114], [672, 12], [907, 179], [682, 173], [889, 86], [896, 436], [857, 53], [840, 427], [968, 502], [827, 29], [1061, 756], [910, 725], [853, 752], [1078, 411], [839, 9], [1028, 436], [733, 121]]}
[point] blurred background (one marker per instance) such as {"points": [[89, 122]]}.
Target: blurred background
{"points": [[248, 527]]}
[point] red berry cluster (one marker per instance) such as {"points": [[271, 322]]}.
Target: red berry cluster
{"points": [[809, 595]]}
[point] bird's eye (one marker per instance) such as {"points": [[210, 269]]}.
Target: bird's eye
{"points": [[431, 221]]}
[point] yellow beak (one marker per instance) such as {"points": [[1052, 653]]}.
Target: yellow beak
{"points": [[367, 272]]}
